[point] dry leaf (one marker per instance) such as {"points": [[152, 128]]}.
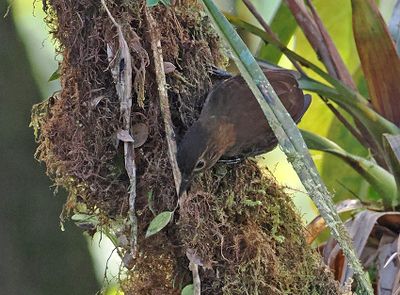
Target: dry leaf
{"points": [[375, 238], [317, 225], [140, 133], [379, 59], [169, 67], [123, 135]]}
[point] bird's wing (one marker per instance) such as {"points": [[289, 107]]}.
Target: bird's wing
{"points": [[287, 88]]}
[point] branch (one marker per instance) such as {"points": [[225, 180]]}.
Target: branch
{"points": [[267, 28], [320, 40], [122, 74], [163, 96]]}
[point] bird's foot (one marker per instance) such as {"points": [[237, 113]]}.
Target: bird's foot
{"points": [[219, 73], [231, 161]]}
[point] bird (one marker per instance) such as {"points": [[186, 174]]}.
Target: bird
{"points": [[232, 125]]}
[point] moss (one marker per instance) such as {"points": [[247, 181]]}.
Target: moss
{"points": [[255, 247], [240, 224]]}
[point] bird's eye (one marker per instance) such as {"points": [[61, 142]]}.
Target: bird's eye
{"points": [[200, 165]]}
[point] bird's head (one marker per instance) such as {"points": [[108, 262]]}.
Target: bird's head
{"points": [[202, 146]]}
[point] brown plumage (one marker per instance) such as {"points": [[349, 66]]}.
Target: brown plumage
{"points": [[232, 124]]}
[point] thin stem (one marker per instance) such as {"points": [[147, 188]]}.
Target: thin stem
{"points": [[267, 28]]}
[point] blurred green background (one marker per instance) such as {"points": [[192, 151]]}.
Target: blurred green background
{"points": [[39, 258]]}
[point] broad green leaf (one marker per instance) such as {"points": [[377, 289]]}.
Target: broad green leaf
{"points": [[379, 59], [267, 9], [56, 75], [284, 26], [380, 179], [336, 17], [188, 290], [159, 222]]}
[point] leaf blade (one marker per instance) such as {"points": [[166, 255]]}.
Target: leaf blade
{"points": [[380, 179], [379, 59], [159, 222]]}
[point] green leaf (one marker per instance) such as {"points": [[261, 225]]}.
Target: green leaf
{"points": [[166, 2], [188, 290], [151, 3], [159, 222], [56, 75], [380, 179], [357, 107], [284, 26], [379, 59]]}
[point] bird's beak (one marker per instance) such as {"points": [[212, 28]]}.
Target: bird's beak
{"points": [[184, 185]]}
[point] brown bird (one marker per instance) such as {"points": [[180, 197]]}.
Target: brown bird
{"points": [[232, 124]]}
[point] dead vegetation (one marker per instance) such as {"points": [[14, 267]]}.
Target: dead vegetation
{"points": [[236, 223]]}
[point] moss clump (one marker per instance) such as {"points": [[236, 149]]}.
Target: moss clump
{"points": [[76, 129], [244, 229], [240, 225]]}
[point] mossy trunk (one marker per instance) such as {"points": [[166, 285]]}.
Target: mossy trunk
{"points": [[236, 223]]}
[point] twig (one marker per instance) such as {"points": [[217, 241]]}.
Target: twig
{"points": [[122, 74], [267, 28], [194, 262], [337, 62], [345, 122], [320, 40], [163, 96], [194, 268]]}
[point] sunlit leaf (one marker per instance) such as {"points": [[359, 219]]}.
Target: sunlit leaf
{"points": [[56, 75], [284, 26], [380, 179], [379, 59], [355, 105], [188, 290], [159, 222], [267, 9], [314, 29]]}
